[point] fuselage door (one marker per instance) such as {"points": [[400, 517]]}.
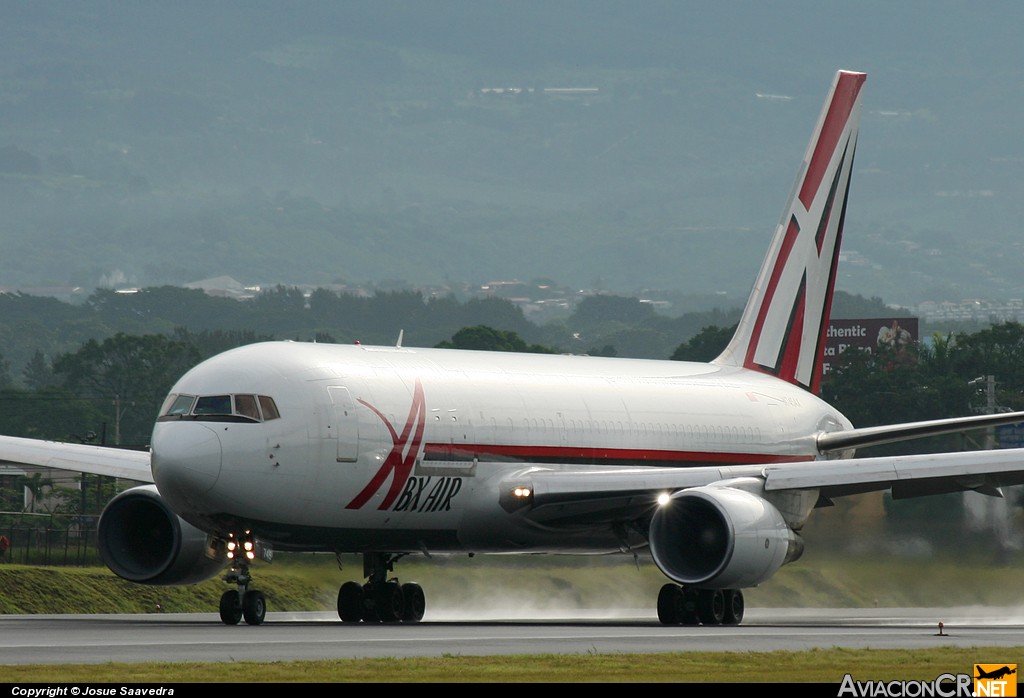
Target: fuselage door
{"points": [[346, 424]]}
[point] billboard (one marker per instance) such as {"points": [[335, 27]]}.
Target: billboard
{"points": [[868, 334]]}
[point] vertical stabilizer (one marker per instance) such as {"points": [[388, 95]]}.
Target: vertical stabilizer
{"points": [[782, 331]]}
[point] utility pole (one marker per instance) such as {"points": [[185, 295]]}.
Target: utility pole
{"points": [[118, 413], [990, 408]]}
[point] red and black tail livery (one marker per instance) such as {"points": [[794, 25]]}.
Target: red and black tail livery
{"points": [[782, 331]]}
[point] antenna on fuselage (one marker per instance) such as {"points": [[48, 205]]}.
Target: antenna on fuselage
{"points": [[401, 334]]}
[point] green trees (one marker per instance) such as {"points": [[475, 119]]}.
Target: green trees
{"points": [[5, 372], [129, 376], [482, 337], [996, 351], [605, 325], [885, 386], [49, 413], [705, 345]]}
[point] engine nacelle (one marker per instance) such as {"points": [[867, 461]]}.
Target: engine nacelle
{"points": [[720, 538], [142, 540]]}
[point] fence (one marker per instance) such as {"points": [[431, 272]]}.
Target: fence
{"points": [[44, 541]]}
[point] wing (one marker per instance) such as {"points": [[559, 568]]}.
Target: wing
{"points": [[594, 496], [80, 458], [733, 527]]}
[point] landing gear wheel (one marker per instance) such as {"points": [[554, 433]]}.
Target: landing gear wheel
{"points": [[733, 607], [414, 601], [369, 610], [670, 604], [390, 603], [350, 602], [381, 600], [230, 607], [688, 611], [710, 606], [254, 607]]}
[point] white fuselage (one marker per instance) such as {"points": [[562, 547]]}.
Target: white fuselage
{"points": [[402, 448]]}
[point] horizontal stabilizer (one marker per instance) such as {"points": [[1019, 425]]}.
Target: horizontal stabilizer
{"points": [[890, 433]]}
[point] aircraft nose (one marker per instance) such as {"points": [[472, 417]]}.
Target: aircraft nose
{"points": [[186, 458]]}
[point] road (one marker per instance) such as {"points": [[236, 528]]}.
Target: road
{"points": [[67, 639]]}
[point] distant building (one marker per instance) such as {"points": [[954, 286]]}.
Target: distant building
{"points": [[224, 287]]}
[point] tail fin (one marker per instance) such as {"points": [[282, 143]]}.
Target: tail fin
{"points": [[782, 331]]}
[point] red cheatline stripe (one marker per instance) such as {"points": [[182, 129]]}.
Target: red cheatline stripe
{"points": [[845, 96], [596, 455]]}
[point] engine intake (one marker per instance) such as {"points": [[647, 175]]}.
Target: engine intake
{"points": [[720, 537], [140, 539]]}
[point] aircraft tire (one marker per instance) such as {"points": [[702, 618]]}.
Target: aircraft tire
{"points": [[734, 606], [414, 603], [670, 604], [254, 607], [230, 607], [369, 613], [390, 603], [710, 606], [350, 602], [688, 610]]}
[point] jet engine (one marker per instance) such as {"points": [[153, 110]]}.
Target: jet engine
{"points": [[142, 540], [720, 538]]}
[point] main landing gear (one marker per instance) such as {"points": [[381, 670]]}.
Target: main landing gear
{"points": [[380, 600], [689, 606]]}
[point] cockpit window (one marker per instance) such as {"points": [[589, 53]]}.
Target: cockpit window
{"points": [[245, 405], [220, 408], [213, 404], [179, 405], [269, 408]]}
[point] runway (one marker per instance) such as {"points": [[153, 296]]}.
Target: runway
{"points": [[74, 639]]}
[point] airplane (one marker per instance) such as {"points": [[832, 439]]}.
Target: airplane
{"points": [[388, 451], [996, 673]]}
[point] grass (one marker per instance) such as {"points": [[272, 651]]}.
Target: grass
{"points": [[813, 666]]}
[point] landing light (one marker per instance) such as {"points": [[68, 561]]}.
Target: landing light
{"points": [[516, 498], [241, 543], [664, 499]]}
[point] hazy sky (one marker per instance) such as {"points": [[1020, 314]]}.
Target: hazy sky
{"points": [[163, 112]]}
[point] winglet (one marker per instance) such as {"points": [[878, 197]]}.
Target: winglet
{"points": [[782, 330]]}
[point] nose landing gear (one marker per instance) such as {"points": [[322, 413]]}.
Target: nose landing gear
{"points": [[243, 602], [236, 604]]}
